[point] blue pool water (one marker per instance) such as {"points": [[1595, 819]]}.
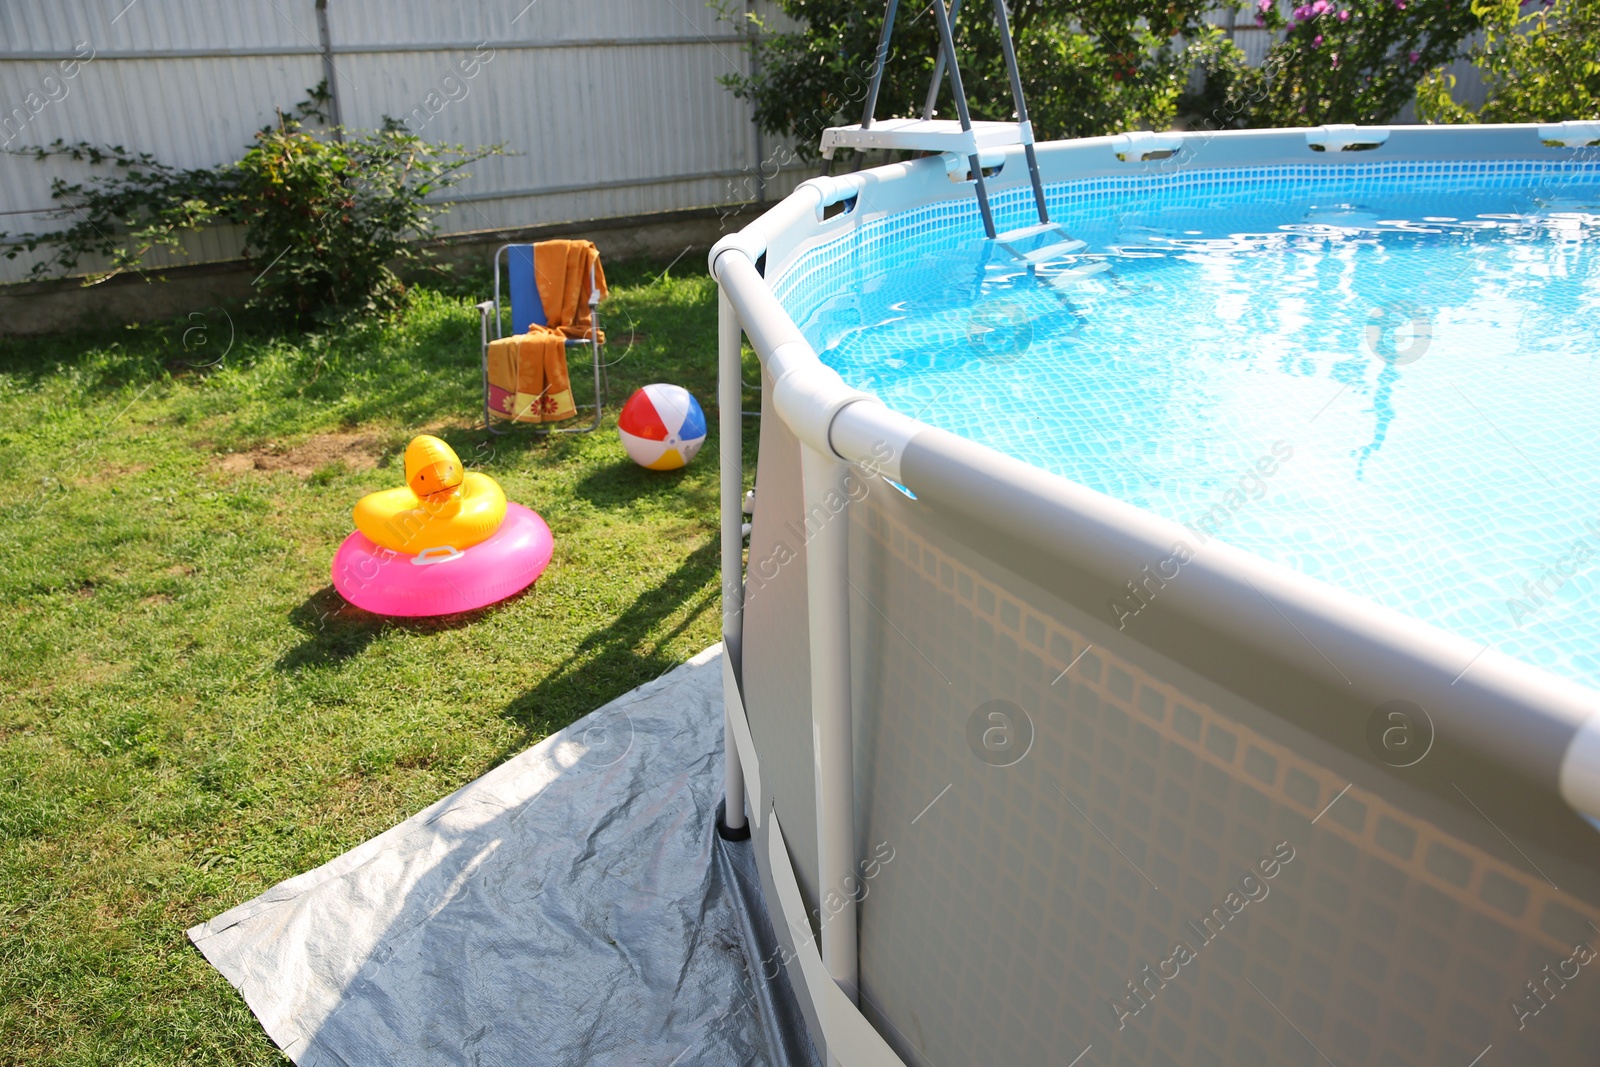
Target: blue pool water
{"points": [[1413, 360]]}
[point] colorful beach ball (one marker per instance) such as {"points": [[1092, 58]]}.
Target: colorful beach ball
{"points": [[662, 427]]}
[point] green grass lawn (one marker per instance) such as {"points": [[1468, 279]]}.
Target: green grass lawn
{"points": [[189, 713]]}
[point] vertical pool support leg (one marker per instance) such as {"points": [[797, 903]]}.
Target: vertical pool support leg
{"points": [[730, 434], [833, 750]]}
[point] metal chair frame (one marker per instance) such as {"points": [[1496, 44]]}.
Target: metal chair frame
{"points": [[593, 343]]}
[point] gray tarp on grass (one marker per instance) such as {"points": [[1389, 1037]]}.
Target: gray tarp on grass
{"points": [[573, 905]]}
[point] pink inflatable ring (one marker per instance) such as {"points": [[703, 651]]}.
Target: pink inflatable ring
{"points": [[443, 581]]}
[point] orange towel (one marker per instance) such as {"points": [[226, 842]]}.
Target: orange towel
{"points": [[528, 379], [561, 269]]}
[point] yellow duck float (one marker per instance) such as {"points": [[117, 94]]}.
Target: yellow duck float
{"points": [[440, 506]]}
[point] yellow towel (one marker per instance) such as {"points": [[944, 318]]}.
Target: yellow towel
{"points": [[528, 379]]}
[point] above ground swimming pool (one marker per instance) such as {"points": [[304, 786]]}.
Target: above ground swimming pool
{"points": [[1385, 378], [1182, 647]]}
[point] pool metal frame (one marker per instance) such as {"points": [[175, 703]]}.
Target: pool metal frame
{"points": [[1518, 717]]}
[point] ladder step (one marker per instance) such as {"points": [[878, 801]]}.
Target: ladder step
{"points": [[1013, 236], [1055, 251], [1073, 275]]}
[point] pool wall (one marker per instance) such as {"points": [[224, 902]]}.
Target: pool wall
{"points": [[957, 887]]}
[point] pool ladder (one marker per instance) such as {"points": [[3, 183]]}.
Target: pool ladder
{"points": [[1044, 247], [1052, 254]]}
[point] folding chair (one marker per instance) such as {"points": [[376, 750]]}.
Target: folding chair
{"points": [[527, 308]]}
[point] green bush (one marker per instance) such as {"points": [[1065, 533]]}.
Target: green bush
{"points": [[1339, 61], [1542, 66], [325, 214]]}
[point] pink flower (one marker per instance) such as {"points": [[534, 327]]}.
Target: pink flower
{"points": [[1265, 6], [1335, 61], [1415, 56], [1344, 16], [1320, 7], [1316, 42], [1400, 5]]}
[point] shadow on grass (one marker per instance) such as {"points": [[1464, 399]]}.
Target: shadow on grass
{"points": [[624, 482], [630, 651], [337, 631], [393, 367]]}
